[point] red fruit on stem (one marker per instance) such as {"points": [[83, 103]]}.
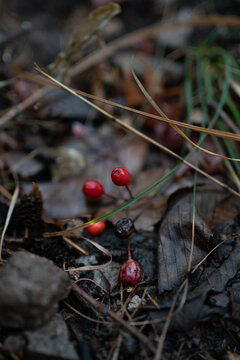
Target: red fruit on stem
{"points": [[120, 176], [96, 229], [92, 189], [130, 273]]}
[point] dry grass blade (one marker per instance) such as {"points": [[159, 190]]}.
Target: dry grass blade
{"points": [[179, 131], [70, 242], [87, 317], [214, 132], [9, 214], [92, 281], [93, 267], [5, 193], [205, 257]]}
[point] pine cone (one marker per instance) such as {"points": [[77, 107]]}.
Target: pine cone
{"points": [[28, 212]]}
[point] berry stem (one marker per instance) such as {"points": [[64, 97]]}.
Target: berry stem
{"points": [[129, 248], [147, 206], [129, 191], [111, 196]]}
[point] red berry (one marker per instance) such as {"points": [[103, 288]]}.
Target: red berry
{"points": [[130, 273], [96, 229], [120, 176], [92, 189]]}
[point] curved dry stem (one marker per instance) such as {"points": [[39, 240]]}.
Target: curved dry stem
{"points": [[179, 131]]}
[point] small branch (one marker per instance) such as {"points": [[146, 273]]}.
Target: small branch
{"points": [[129, 191], [106, 311], [129, 248]]}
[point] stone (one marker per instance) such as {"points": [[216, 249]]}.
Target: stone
{"points": [[30, 288], [135, 302], [50, 342]]}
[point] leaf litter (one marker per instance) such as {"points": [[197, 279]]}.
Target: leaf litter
{"points": [[163, 222]]}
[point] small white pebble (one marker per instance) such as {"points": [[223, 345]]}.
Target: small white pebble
{"points": [[135, 302]]}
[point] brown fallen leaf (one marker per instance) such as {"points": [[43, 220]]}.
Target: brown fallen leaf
{"points": [[232, 356], [195, 308], [63, 199], [226, 210], [151, 212], [133, 155], [176, 231], [132, 93]]}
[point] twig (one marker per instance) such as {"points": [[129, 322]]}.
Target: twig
{"points": [[106, 311], [114, 352]]}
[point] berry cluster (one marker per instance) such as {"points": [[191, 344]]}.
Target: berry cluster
{"points": [[130, 272], [93, 190]]}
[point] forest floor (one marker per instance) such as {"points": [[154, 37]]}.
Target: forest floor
{"points": [[61, 296]]}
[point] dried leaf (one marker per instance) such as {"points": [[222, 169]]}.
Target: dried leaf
{"points": [[132, 94], [63, 199], [175, 235], [83, 35], [97, 19], [226, 210], [133, 155], [24, 165], [232, 356], [195, 309]]}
